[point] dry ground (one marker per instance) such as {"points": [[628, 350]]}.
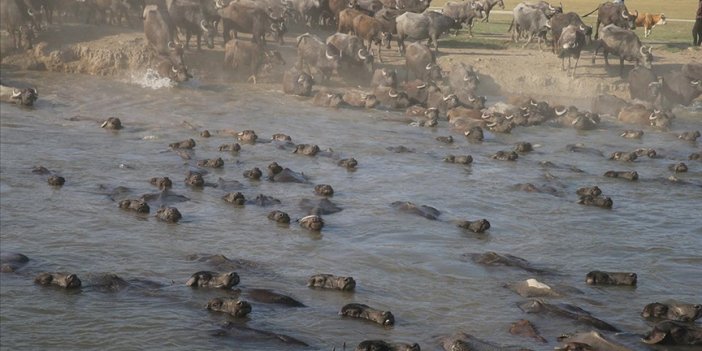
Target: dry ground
{"points": [[504, 69]]}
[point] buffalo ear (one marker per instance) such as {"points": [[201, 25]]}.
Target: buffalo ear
{"points": [[655, 336]]}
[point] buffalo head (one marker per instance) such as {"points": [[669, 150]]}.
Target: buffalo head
{"points": [[25, 96], [646, 56]]}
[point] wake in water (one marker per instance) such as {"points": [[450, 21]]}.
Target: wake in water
{"points": [[151, 79]]}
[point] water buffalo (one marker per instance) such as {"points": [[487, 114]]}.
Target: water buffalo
{"points": [[421, 61], [63, 280], [313, 52], [24, 97], [429, 25], [345, 22], [176, 73], [161, 36], [391, 98], [326, 98], [329, 281], [682, 312], [566, 311], [610, 278], [372, 31], [384, 77], [562, 20], [592, 340], [674, 333], [382, 345], [639, 114], [464, 13], [239, 54], [487, 6], [190, 18], [232, 306], [360, 99], [679, 88], [296, 82], [324, 190], [17, 19], [463, 78], [206, 279], [352, 51], [467, 342], [530, 21], [11, 261], [625, 44], [138, 206], [616, 14], [623, 156], [570, 44], [643, 84], [357, 310], [312, 223], [168, 214], [241, 18]]}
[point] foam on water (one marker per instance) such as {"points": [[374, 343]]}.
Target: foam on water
{"points": [[151, 79]]}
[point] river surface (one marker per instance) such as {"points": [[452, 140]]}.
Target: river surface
{"points": [[409, 265]]}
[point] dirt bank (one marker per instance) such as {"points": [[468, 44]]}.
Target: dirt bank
{"points": [[117, 51]]}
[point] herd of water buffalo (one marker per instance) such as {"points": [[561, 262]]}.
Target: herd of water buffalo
{"points": [[426, 99]]}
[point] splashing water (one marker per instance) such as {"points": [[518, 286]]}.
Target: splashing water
{"points": [[151, 79]]}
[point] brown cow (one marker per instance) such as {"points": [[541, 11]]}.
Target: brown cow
{"points": [[371, 30], [346, 17], [648, 21]]}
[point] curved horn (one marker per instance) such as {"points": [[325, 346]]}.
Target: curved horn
{"points": [[171, 45], [652, 116], [219, 4], [624, 14], [34, 90], [485, 115], [16, 93], [577, 119], [301, 79], [329, 57], [202, 25], [391, 94], [656, 111], [641, 50], [273, 26], [422, 86], [533, 103], [448, 97], [466, 77], [490, 125], [384, 72], [428, 66], [582, 28], [560, 113], [361, 56], [650, 50], [548, 24], [551, 8], [471, 99], [330, 95], [30, 12], [695, 82], [509, 118], [173, 69]]}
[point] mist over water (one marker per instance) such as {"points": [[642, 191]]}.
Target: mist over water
{"points": [[402, 263]]}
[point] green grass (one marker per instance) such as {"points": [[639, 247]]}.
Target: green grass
{"points": [[681, 9], [674, 36]]}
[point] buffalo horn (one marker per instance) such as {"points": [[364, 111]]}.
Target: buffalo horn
{"points": [[624, 14], [636, 14], [560, 113], [448, 97], [174, 69], [548, 25], [326, 52], [392, 93], [582, 28], [533, 103], [422, 86], [361, 56], [652, 116], [428, 67], [509, 118], [301, 79], [330, 95], [30, 12], [384, 72], [16, 93], [656, 111], [695, 82], [171, 45], [650, 50], [576, 120], [219, 4], [273, 26], [471, 99], [490, 125], [551, 8], [466, 77], [202, 25], [485, 115], [35, 91]]}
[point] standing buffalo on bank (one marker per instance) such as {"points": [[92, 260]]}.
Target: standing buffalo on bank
{"points": [[17, 20], [352, 51], [372, 31], [190, 18], [625, 44], [562, 20], [530, 21], [256, 21], [570, 44], [464, 13], [421, 62], [429, 25], [617, 14]]}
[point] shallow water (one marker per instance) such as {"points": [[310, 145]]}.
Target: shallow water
{"points": [[406, 264]]}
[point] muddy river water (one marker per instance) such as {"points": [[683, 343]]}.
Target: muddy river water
{"points": [[409, 265]]}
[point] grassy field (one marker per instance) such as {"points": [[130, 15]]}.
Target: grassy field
{"points": [[673, 36], [680, 9]]}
